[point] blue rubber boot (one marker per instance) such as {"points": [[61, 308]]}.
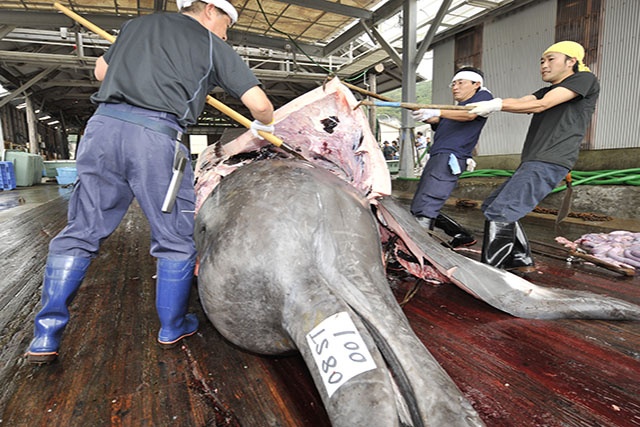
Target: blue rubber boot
{"points": [[62, 278], [172, 299]]}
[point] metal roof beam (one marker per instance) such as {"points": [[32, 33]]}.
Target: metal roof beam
{"points": [[482, 17], [158, 5], [72, 61], [337, 8], [377, 37], [240, 38], [69, 83], [27, 85], [53, 59], [428, 38], [52, 19], [5, 29], [111, 22], [389, 9]]}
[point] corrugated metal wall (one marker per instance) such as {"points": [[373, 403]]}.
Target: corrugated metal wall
{"points": [[511, 59], [443, 67], [511, 63], [617, 117]]}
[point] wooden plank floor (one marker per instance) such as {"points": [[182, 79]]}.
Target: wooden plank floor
{"points": [[111, 372]]}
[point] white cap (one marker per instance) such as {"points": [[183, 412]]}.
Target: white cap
{"points": [[220, 4]]}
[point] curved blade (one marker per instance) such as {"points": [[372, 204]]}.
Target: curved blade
{"points": [[566, 202]]}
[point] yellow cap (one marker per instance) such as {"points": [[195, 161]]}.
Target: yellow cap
{"points": [[572, 50]]}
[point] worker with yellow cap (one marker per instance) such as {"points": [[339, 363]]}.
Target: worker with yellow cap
{"points": [[561, 113]]}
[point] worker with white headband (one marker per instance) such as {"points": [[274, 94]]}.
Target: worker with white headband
{"points": [[561, 115], [155, 80], [456, 136]]}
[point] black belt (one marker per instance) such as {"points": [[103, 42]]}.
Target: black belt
{"points": [[146, 122]]}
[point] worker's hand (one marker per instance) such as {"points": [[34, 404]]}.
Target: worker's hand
{"points": [[471, 165], [484, 108], [257, 125], [424, 114]]}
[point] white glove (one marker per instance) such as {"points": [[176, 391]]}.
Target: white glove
{"points": [[424, 114], [484, 108], [257, 125], [471, 165]]}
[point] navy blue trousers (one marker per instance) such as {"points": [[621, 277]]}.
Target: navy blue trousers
{"points": [[523, 191], [118, 161], [435, 186]]}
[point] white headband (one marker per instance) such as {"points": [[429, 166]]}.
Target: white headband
{"points": [[220, 4], [468, 75]]}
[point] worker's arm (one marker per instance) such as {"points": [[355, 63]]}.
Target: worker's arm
{"points": [[433, 116], [258, 104], [457, 115], [525, 105], [101, 68], [530, 104], [261, 110]]}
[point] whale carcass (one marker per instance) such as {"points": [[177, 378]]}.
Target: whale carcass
{"points": [[291, 260]]}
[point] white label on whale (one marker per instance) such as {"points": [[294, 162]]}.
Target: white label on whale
{"points": [[339, 351]]}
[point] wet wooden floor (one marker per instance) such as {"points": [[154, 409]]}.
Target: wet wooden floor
{"points": [[110, 372]]}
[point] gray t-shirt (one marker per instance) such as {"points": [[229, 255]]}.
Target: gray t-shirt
{"points": [[169, 62], [555, 135]]}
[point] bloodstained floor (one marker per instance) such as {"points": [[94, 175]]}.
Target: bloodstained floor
{"points": [[110, 372]]}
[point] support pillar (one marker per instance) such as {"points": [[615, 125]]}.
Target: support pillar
{"points": [[373, 79], [409, 67], [32, 127]]}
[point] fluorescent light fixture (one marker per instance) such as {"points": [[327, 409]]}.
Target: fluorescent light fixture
{"points": [[55, 122], [44, 117]]}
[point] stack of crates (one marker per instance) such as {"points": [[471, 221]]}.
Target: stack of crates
{"points": [[28, 167], [7, 176]]}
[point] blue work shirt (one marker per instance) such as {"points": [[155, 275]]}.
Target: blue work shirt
{"points": [[459, 138]]}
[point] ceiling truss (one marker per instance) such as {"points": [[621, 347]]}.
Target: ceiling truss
{"points": [[49, 57]]}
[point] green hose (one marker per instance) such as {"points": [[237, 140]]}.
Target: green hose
{"points": [[613, 177], [603, 177]]}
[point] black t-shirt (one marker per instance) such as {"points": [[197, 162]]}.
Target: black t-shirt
{"points": [[555, 135], [169, 62]]}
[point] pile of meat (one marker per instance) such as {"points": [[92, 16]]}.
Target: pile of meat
{"points": [[618, 247]]}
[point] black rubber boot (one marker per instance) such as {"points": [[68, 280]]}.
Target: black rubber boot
{"points": [[461, 237], [426, 222], [498, 242], [520, 258]]}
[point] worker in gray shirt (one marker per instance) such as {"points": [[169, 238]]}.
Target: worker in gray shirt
{"points": [[156, 77]]}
